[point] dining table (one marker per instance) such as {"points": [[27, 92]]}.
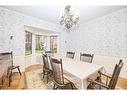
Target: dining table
{"points": [[78, 71]]}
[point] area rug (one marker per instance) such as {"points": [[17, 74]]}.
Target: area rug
{"points": [[34, 80]]}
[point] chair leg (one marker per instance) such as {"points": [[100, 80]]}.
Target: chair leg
{"points": [[10, 78], [43, 74], [71, 85], [8, 72], [62, 88], [47, 78], [19, 71], [54, 86], [2, 82]]}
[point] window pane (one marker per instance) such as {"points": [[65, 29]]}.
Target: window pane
{"points": [[28, 43], [53, 44], [40, 43]]}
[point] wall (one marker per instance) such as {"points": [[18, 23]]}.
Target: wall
{"points": [[12, 23], [106, 37]]}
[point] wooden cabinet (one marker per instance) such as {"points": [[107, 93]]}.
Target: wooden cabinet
{"points": [[5, 62]]}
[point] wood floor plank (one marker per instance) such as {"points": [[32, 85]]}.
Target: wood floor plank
{"points": [[19, 82]]}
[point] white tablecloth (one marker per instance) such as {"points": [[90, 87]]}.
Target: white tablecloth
{"points": [[78, 71]]}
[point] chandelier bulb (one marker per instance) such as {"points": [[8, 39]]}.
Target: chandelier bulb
{"points": [[69, 17]]}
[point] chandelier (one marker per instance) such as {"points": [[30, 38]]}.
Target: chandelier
{"points": [[68, 18]]}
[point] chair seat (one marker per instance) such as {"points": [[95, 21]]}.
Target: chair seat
{"points": [[95, 86], [66, 81], [48, 71], [13, 67], [66, 85]]}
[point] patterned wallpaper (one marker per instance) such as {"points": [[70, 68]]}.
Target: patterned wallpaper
{"points": [[12, 23], [105, 35]]}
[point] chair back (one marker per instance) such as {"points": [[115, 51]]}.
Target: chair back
{"points": [[49, 53], [70, 55], [8, 56], [115, 75], [57, 70], [45, 61], [86, 57]]}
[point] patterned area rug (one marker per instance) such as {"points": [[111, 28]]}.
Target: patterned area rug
{"points": [[35, 81]]}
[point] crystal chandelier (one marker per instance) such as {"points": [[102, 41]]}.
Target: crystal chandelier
{"points": [[69, 18]]}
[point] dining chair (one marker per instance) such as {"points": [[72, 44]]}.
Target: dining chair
{"points": [[86, 57], [111, 81], [58, 78], [46, 68], [70, 55], [12, 67]]}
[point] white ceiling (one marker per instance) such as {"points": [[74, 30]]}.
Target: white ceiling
{"points": [[52, 13]]}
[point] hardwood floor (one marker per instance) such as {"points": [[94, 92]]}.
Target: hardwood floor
{"points": [[122, 82], [34, 67], [19, 82]]}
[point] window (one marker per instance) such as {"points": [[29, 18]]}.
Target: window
{"points": [[53, 44], [28, 43], [40, 43]]}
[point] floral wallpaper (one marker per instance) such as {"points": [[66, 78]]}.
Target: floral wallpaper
{"points": [[12, 23], [106, 35]]}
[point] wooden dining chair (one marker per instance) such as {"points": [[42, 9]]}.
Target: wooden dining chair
{"points": [[12, 67], [58, 78], [46, 69], [109, 84], [86, 57], [70, 55]]}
